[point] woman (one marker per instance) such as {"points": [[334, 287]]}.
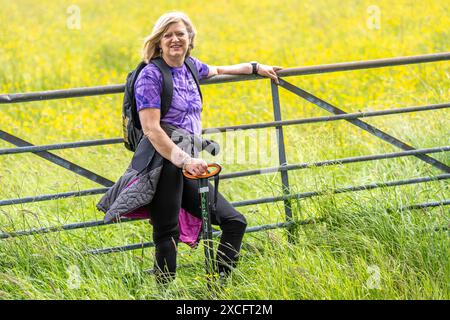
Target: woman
{"points": [[172, 39]]}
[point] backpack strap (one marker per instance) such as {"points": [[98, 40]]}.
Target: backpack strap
{"points": [[193, 69], [129, 90], [167, 90]]}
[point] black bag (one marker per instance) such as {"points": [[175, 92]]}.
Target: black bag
{"points": [[131, 126]]}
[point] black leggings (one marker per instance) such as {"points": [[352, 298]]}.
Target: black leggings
{"points": [[173, 192]]}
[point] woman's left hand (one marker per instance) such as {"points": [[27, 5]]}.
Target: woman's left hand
{"points": [[269, 71]]}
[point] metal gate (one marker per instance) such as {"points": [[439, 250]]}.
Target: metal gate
{"points": [[286, 196]]}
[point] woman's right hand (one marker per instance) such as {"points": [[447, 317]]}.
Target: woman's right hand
{"points": [[196, 166]]}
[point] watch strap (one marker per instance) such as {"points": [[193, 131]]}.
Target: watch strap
{"points": [[254, 67]]}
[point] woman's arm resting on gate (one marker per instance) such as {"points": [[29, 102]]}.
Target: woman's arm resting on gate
{"points": [[245, 68]]}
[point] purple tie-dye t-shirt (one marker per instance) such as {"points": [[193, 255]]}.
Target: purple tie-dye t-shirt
{"points": [[186, 104]]}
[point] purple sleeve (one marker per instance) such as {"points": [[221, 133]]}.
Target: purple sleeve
{"points": [[203, 69], [148, 88]]}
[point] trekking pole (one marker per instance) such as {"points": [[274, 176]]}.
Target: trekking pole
{"points": [[203, 189]]}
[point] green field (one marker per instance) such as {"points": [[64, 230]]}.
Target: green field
{"points": [[362, 245]]}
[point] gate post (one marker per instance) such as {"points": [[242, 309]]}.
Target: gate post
{"points": [[282, 155]]}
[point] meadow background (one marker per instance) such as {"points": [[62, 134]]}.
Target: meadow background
{"points": [[363, 248]]}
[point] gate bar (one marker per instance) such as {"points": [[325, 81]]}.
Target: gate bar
{"points": [[337, 117], [333, 162], [255, 229], [361, 124], [260, 125], [59, 146], [297, 196], [241, 173], [342, 66], [58, 160], [370, 186], [215, 234], [281, 149]]}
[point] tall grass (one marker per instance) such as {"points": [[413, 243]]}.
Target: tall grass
{"points": [[355, 252]]}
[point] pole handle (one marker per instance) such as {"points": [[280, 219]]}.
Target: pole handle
{"points": [[209, 174]]}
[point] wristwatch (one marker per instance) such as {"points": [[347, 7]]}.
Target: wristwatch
{"points": [[254, 67]]}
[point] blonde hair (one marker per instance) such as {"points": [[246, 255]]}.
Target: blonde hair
{"points": [[151, 47]]}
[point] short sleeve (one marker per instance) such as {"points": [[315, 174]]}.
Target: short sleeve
{"points": [[203, 68], [147, 89]]}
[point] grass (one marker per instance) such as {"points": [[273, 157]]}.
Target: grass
{"points": [[356, 252], [362, 245]]}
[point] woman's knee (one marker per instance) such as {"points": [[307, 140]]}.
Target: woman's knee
{"points": [[237, 224], [164, 233]]}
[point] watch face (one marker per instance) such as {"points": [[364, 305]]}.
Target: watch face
{"points": [[253, 67]]}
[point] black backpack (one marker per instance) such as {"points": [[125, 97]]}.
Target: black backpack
{"points": [[131, 125]]}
